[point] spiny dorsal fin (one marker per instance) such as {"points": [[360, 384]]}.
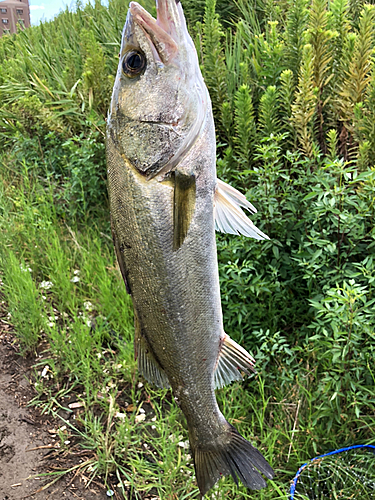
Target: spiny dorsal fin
{"points": [[229, 217], [231, 361], [148, 366], [120, 258], [184, 206]]}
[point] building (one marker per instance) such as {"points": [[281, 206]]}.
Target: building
{"points": [[14, 15]]}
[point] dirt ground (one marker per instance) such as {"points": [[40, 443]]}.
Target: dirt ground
{"points": [[27, 443]]}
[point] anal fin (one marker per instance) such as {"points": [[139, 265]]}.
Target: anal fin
{"points": [[229, 216], [148, 366], [232, 360]]}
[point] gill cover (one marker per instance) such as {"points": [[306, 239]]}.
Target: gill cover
{"points": [[159, 99]]}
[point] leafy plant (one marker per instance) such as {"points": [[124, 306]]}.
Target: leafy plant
{"points": [[292, 88]]}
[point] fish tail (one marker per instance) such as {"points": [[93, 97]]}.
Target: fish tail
{"points": [[230, 454]]}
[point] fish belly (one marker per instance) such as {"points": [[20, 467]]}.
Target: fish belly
{"points": [[175, 293]]}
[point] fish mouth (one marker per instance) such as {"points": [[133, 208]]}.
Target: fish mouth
{"points": [[165, 31]]}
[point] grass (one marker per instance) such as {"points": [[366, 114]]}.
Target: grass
{"points": [[68, 303], [302, 302]]}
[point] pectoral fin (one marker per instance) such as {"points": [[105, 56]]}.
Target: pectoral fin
{"points": [[148, 366], [229, 217], [184, 206], [231, 361]]}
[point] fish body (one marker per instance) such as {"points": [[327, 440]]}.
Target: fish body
{"points": [[165, 203]]}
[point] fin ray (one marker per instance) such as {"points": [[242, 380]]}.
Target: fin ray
{"points": [[230, 455], [148, 366], [231, 361], [229, 216]]}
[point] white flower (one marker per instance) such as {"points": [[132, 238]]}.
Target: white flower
{"points": [[140, 418], [120, 415], [140, 385], [25, 269], [88, 306], [183, 444], [89, 323], [51, 324], [76, 272], [75, 279], [46, 284]]}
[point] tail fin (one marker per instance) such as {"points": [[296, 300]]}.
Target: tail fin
{"points": [[231, 455]]}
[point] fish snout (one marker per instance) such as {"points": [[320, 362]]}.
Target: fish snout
{"points": [[161, 42], [168, 32], [170, 16]]}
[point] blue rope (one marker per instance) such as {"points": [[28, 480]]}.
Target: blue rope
{"points": [[294, 483]]}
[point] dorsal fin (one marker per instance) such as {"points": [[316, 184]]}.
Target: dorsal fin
{"points": [[120, 258], [148, 366]]}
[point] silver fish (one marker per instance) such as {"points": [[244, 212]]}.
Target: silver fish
{"points": [[166, 203]]}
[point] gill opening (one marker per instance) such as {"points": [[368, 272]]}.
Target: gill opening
{"points": [[188, 143]]}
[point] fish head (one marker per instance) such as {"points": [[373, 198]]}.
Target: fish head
{"points": [[159, 99]]}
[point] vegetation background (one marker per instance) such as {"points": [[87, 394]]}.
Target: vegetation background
{"points": [[292, 84]]}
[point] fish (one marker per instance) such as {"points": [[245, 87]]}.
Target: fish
{"points": [[166, 203]]}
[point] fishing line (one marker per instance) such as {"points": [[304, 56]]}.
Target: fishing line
{"points": [[347, 473]]}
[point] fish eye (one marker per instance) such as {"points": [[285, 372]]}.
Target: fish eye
{"points": [[134, 63]]}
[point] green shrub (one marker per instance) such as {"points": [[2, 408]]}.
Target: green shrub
{"points": [[292, 85]]}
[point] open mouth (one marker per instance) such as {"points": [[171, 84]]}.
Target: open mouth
{"points": [[163, 31]]}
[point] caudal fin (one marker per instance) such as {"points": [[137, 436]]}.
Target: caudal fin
{"points": [[231, 455]]}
